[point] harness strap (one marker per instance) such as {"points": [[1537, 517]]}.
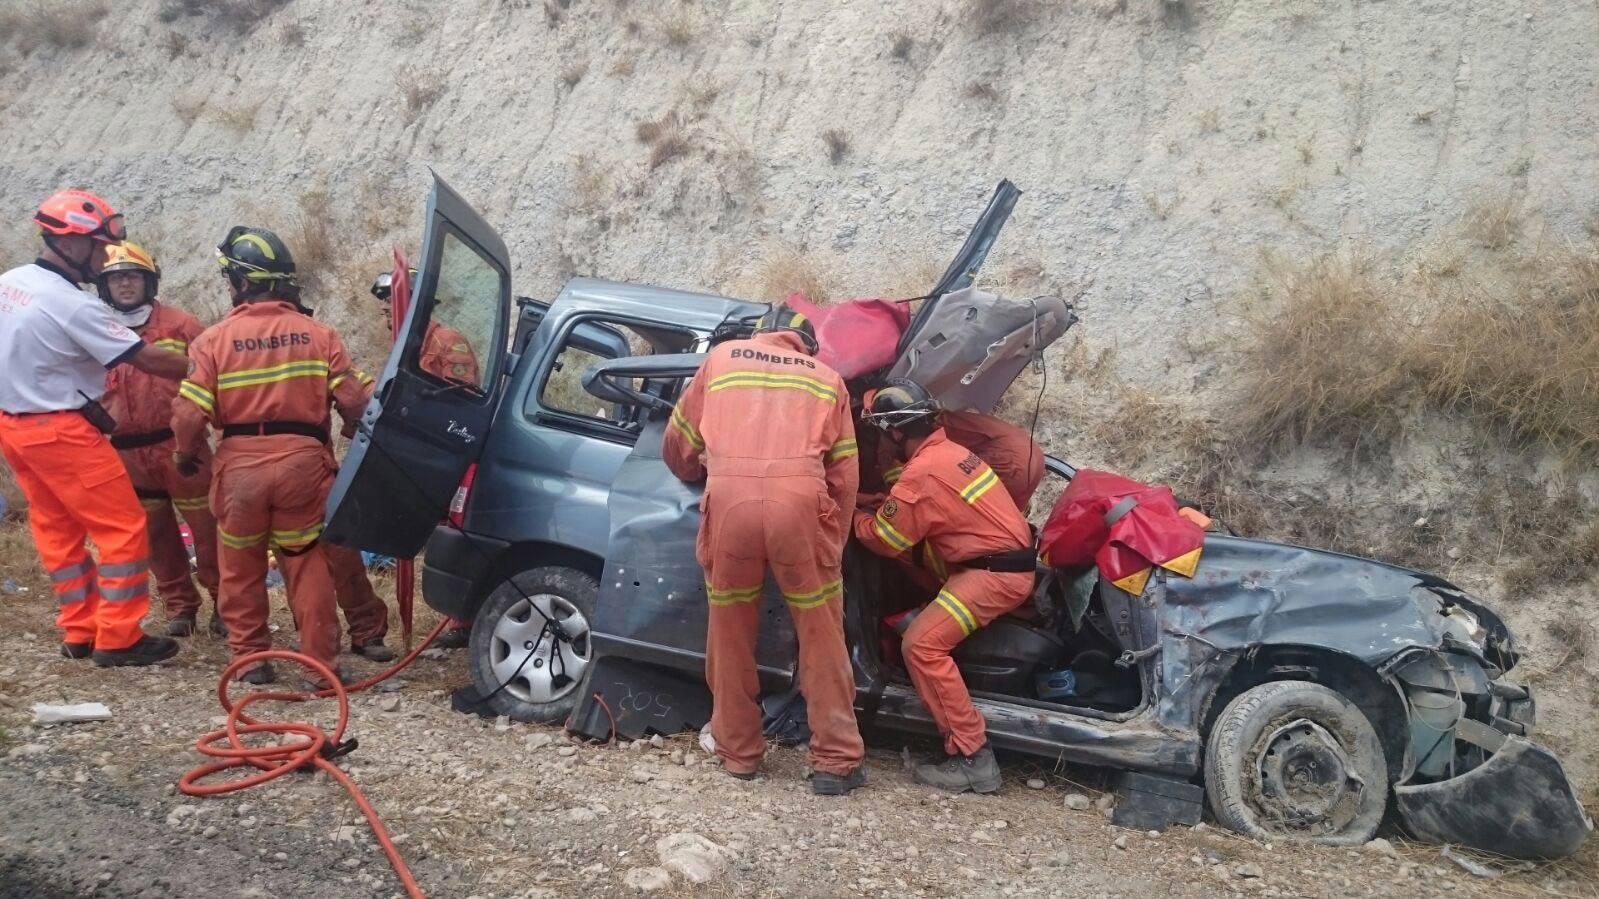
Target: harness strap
{"points": [[270, 428], [135, 441]]}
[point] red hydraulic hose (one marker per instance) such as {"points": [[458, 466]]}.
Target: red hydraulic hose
{"points": [[315, 748]]}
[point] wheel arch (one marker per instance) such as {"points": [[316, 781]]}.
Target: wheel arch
{"points": [[528, 555], [1376, 697]]}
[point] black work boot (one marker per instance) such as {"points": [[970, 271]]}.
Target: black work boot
{"points": [[181, 625], [454, 638], [374, 650], [147, 651], [216, 627], [978, 772], [77, 650], [825, 784], [263, 673]]}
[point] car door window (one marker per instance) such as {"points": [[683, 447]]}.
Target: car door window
{"points": [[596, 339], [459, 340]]}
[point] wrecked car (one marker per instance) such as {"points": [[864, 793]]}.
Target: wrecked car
{"points": [[1308, 692]]}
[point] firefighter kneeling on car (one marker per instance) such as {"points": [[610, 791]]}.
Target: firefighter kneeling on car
{"points": [[264, 376], [952, 500]]}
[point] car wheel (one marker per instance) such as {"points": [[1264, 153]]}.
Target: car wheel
{"points": [[1295, 760], [517, 662]]}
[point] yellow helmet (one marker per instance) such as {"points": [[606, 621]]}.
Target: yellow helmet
{"points": [[126, 256]]}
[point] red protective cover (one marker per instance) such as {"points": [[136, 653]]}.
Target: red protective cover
{"points": [[1152, 533], [405, 569], [857, 337]]}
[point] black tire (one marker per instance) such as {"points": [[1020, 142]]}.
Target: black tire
{"points": [[513, 678], [1293, 760]]}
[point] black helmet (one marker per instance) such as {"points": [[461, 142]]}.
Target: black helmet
{"points": [[901, 403], [782, 318], [258, 262], [383, 285]]}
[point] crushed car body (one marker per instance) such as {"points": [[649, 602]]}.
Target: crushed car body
{"points": [[1308, 691]]}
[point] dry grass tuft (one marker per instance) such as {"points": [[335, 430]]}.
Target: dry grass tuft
{"points": [[187, 108], [1324, 361], [900, 45], [677, 30], [986, 17], [175, 43], [572, 74], [61, 24], [837, 143], [239, 119], [981, 90], [622, 68], [420, 91], [1573, 639], [292, 34], [313, 240], [667, 138], [1494, 224], [789, 270]]}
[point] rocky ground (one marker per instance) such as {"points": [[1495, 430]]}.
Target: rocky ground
{"points": [[485, 808]]}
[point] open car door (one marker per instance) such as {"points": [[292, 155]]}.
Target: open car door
{"points": [[438, 391]]}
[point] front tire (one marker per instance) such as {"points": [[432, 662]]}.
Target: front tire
{"points": [[1293, 760], [525, 672]]}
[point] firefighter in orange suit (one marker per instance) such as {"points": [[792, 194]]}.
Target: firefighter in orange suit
{"points": [[57, 344], [263, 377], [952, 499], [769, 428], [142, 406], [1007, 449]]}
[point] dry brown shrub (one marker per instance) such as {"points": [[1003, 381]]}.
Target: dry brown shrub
{"points": [[1524, 359], [62, 24], [176, 43], [1326, 358], [187, 108], [837, 143], [1573, 639], [572, 74], [986, 17], [981, 90], [235, 117], [1494, 224], [622, 68], [677, 30], [900, 45], [420, 91], [789, 270], [667, 138]]}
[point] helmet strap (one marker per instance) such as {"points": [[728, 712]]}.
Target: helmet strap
{"points": [[79, 268]]}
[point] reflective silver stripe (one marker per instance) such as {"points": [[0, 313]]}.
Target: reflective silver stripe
{"points": [[128, 570], [76, 594], [123, 594], [62, 575]]}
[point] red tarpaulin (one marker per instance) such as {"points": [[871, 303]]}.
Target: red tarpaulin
{"points": [[404, 569], [857, 337], [1122, 526]]}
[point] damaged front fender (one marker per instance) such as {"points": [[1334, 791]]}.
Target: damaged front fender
{"points": [[1518, 803]]}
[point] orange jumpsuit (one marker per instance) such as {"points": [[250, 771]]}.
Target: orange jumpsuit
{"points": [[1009, 450], [264, 376], [142, 406], [770, 430], [946, 497]]}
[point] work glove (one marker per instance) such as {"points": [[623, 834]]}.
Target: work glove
{"points": [[187, 465]]}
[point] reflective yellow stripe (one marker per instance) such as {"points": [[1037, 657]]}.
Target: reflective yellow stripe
{"points": [[173, 344], [887, 534], [253, 377], [958, 611], [772, 381], [729, 597], [189, 505], [687, 430], [235, 542], [814, 598], [982, 485], [295, 538], [364, 378], [892, 475], [198, 395], [152, 505], [843, 450]]}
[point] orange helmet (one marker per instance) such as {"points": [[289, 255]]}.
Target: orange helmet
{"points": [[129, 257], [69, 212]]}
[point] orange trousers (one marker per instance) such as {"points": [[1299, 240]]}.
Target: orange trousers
{"points": [[77, 490], [274, 496], [970, 599], [165, 495], [750, 524], [365, 615]]}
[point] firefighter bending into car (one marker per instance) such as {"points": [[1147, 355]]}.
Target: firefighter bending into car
{"points": [[57, 345], [263, 377], [142, 406], [952, 500], [447, 355], [769, 429], [1009, 450]]}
